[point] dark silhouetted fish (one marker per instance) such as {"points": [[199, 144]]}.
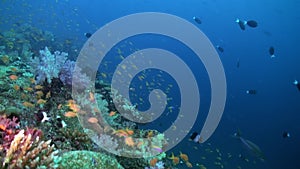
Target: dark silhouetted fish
{"points": [[252, 147], [252, 91], [297, 84], [286, 134], [220, 48], [272, 51], [252, 23], [238, 63], [88, 35], [196, 19], [195, 137], [241, 24]]}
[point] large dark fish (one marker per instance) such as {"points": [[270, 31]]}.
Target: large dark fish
{"points": [[252, 147], [272, 51], [252, 23]]}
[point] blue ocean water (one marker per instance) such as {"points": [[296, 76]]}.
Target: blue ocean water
{"points": [[262, 118]]}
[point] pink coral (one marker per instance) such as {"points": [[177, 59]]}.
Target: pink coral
{"points": [[8, 124], [7, 130]]}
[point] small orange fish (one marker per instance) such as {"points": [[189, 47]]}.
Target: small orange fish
{"points": [[29, 89], [129, 131], [48, 95], [121, 133], [140, 144], [96, 110], [129, 141], [188, 164], [112, 113], [38, 87], [70, 114], [32, 81], [92, 97], [71, 102], [2, 127], [13, 77], [150, 134], [14, 69], [24, 96], [82, 112], [74, 107], [28, 104], [93, 120], [39, 94], [16, 87], [184, 157], [41, 101], [5, 59], [153, 162], [174, 159]]}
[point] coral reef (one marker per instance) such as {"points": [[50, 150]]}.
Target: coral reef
{"points": [[88, 160], [39, 119], [70, 139]]}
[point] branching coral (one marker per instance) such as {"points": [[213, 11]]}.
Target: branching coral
{"points": [[26, 152], [24, 148]]}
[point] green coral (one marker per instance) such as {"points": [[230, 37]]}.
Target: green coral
{"points": [[88, 160]]}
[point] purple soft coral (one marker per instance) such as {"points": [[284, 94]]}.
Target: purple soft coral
{"points": [[69, 75], [49, 65]]}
